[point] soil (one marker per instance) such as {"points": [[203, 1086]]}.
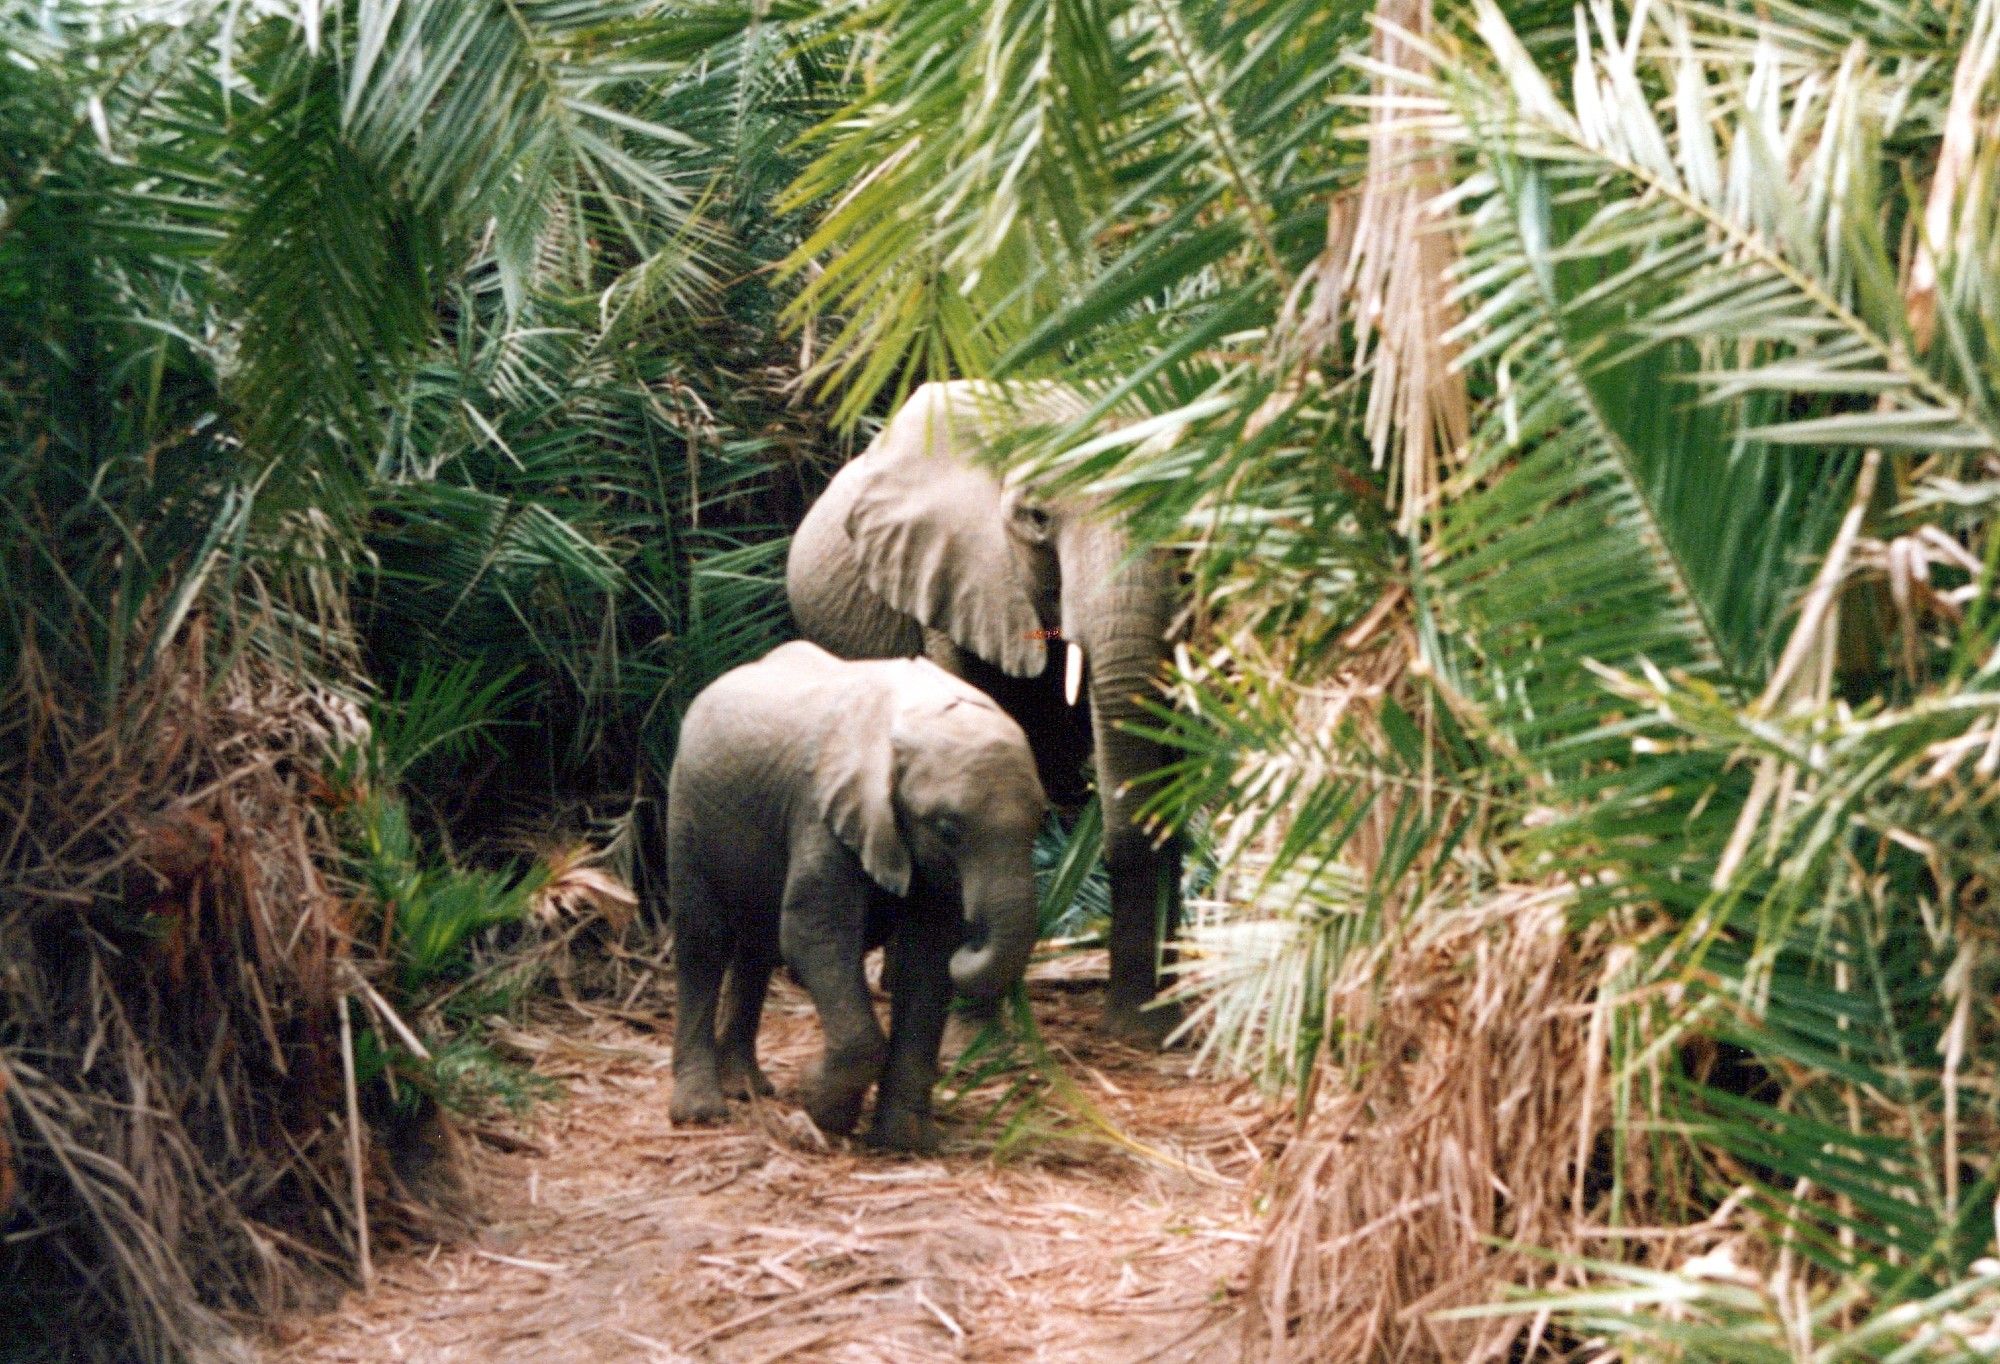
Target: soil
{"points": [[607, 1234]]}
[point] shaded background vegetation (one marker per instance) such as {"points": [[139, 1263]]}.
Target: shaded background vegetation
{"points": [[398, 435], [1579, 425]]}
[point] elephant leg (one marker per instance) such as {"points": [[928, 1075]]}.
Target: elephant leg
{"points": [[701, 953], [742, 1010], [821, 936], [919, 980], [1145, 916]]}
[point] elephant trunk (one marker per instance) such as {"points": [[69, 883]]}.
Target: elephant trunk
{"points": [[1117, 606], [1119, 611], [1003, 905]]}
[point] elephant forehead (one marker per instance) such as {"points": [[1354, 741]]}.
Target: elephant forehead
{"points": [[929, 688], [1003, 768], [959, 724], [966, 736], [996, 788]]}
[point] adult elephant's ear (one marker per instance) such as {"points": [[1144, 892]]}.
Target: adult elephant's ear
{"points": [[853, 781], [932, 538]]}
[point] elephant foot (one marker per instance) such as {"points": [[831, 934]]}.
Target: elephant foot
{"points": [[743, 1080], [903, 1129], [1143, 1026], [833, 1101], [697, 1104]]}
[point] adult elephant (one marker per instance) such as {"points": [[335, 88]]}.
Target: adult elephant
{"points": [[916, 547]]}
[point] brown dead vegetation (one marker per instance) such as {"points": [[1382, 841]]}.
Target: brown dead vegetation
{"points": [[172, 958], [169, 952], [1426, 1175], [612, 1236], [8, 1180]]}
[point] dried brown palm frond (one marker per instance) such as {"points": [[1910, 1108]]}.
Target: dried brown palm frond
{"points": [[583, 930], [1470, 1130], [1448, 1045], [170, 955], [577, 889], [8, 1181], [1386, 274]]}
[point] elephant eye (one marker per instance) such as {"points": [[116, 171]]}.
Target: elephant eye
{"points": [[947, 828], [1037, 518]]}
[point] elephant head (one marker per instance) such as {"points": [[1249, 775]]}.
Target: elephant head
{"points": [[941, 540], [933, 781]]}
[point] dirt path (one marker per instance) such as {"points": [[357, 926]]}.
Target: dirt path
{"points": [[612, 1236]]}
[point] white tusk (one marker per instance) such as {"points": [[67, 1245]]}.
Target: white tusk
{"points": [[1072, 674]]}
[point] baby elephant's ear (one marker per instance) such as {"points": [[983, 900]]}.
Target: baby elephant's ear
{"points": [[854, 780]]}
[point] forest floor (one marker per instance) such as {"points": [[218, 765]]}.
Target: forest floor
{"points": [[606, 1234]]}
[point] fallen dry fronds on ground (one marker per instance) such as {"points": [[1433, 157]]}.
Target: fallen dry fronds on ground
{"points": [[1472, 1124], [613, 1236], [168, 1061]]}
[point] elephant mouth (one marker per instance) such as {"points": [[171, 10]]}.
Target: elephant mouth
{"points": [[978, 932]]}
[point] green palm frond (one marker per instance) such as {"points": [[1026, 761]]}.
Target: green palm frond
{"points": [[940, 233], [1623, 279], [1879, 1040], [1713, 1307], [414, 351], [1116, 175], [379, 154]]}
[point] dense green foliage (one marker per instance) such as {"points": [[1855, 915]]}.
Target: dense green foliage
{"points": [[1530, 437], [425, 355], [276, 313], [1579, 423]]}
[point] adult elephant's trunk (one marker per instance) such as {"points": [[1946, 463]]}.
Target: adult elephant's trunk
{"points": [[1000, 913], [1117, 606]]}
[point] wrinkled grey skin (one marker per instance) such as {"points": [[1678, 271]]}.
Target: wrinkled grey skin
{"points": [[818, 808], [915, 548]]}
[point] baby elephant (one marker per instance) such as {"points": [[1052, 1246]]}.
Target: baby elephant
{"points": [[818, 808]]}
